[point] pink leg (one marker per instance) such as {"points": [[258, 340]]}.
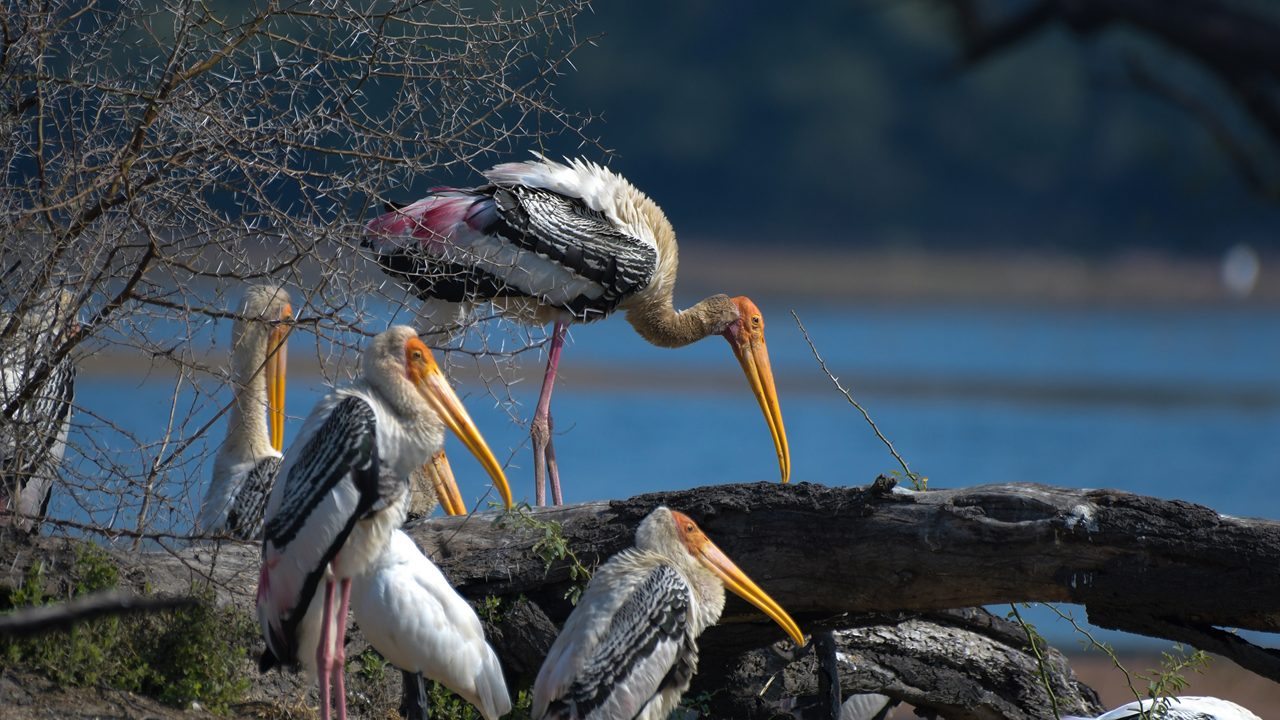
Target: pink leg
{"points": [[541, 428], [552, 468], [340, 652], [324, 659]]}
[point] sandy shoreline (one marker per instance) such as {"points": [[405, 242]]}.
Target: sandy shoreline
{"points": [[808, 272]]}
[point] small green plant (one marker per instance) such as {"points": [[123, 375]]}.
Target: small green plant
{"points": [[1169, 680], [1037, 645], [179, 657], [371, 665], [551, 545], [490, 610], [697, 703]]}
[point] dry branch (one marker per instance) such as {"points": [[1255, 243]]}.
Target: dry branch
{"points": [[60, 616], [832, 555]]}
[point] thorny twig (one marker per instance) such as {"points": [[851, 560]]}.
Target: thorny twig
{"points": [[920, 483]]}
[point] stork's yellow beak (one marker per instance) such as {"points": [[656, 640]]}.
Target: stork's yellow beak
{"points": [[440, 474], [746, 337], [277, 360], [439, 395], [706, 552]]}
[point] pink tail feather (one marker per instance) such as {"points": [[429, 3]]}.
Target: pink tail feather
{"points": [[430, 220]]}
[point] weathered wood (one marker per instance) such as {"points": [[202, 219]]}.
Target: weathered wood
{"points": [[821, 550], [1166, 568], [963, 665]]}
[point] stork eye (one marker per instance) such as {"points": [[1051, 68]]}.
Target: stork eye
{"points": [[417, 355], [688, 528], [755, 322]]}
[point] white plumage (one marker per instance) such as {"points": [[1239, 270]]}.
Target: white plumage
{"points": [[245, 467], [628, 651], [864, 706], [1178, 708], [411, 615], [343, 489], [33, 438]]}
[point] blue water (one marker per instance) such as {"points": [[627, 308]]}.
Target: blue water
{"points": [[1172, 402]]}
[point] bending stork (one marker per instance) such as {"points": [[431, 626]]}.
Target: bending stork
{"points": [[246, 465], [414, 619], [547, 242], [344, 490], [1177, 708], [33, 440], [628, 651]]}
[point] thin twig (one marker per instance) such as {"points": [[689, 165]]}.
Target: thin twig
{"points": [[822, 364], [1034, 639]]}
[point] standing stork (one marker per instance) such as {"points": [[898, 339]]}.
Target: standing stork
{"points": [[344, 490], [553, 243], [1177, 708], [244, 470], [33, 440], [628, 651]]}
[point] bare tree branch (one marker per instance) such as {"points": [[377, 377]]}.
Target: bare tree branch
{"points": [[60, 616]]}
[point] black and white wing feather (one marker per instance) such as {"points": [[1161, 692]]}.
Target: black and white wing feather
{"points": [[245, 517], [328, 481], [614, 659], [525, 236]]}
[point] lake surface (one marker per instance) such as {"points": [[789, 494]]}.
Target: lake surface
{"points": [[1174, 402]]}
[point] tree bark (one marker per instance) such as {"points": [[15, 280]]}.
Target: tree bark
{"points": [[831, 555]]}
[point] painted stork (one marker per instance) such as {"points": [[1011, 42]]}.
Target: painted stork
{"points": [[628, 651], [1177, 708], [33, 440], [553, 243], [244, 470], [411, 615], [344, 490]]}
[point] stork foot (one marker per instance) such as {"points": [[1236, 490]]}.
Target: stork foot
{"points": [[413, 698]]}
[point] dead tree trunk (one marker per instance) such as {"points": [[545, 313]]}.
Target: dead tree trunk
{"points": [[831, 555]]}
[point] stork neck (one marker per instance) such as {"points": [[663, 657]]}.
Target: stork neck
{"points": [[247, 432], [660, 323]]}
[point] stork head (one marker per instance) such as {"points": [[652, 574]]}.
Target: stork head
{"points": [[266, 320], [399, 352], [672, 533], [745, 333]]}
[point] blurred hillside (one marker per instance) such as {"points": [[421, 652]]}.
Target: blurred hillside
{"points": [[837, 123]]}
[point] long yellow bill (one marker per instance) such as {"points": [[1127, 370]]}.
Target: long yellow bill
{"points": [[440, 474], [277, 359], [435, 388], [733, 578], [746, 338]]}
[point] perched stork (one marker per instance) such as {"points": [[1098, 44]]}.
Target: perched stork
{"points": [[343, 491], [554, 243], [244, 470], [33, 440], [1177, 708], [628, 651], [411, 615]]}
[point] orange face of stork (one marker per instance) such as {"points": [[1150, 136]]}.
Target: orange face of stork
{"points": [[706, 552], [746, 337], [421, 370]]}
